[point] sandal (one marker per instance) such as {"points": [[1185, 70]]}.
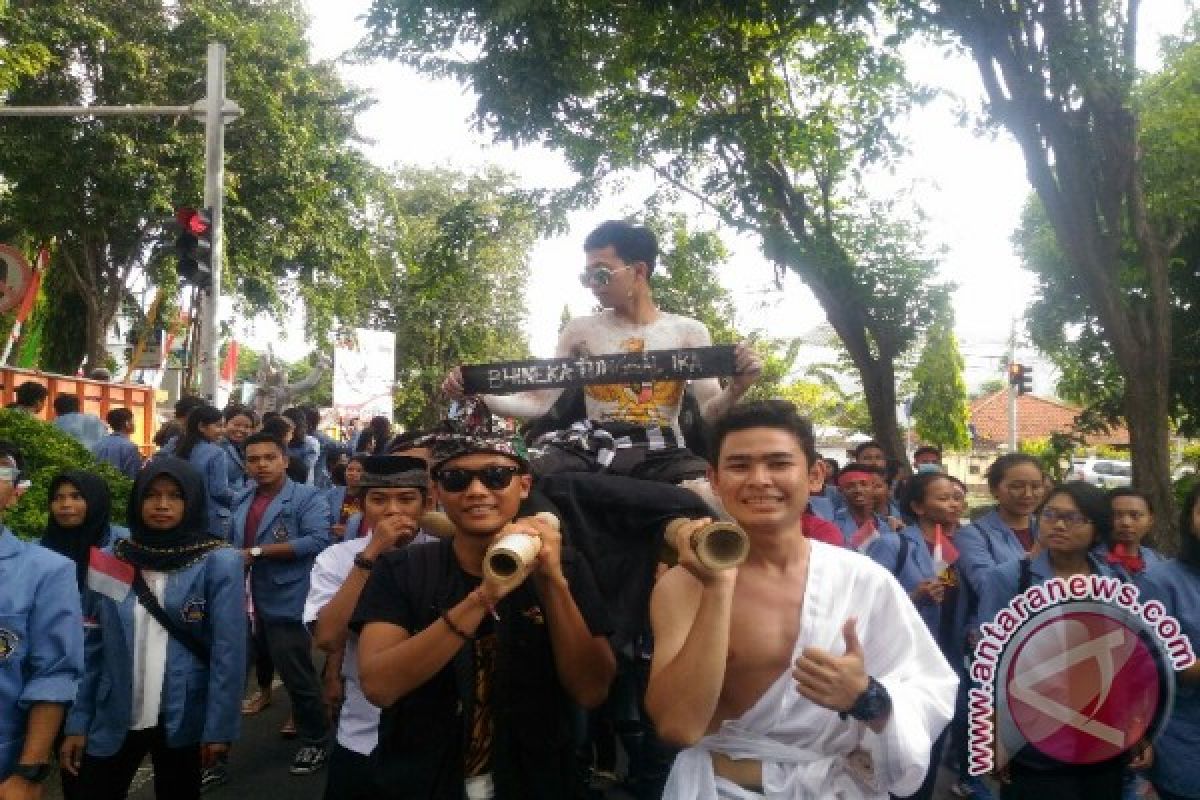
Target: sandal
{"points": [[256, 702]]}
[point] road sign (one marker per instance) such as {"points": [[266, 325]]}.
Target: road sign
{"points": [[15, 277]]}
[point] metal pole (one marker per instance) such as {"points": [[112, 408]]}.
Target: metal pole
{"points": [[1012, 419], [1012, 389], [95, 111], [214, 197]]}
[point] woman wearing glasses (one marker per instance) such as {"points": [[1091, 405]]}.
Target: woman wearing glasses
{"points": [[1074, 519]]}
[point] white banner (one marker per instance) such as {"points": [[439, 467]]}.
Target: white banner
{"points": [[364, 373]]}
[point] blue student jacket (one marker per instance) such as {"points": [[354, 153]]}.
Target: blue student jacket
{"points": [[41, 637], [986, 542], [999, 585], [118, 450], [845, 522], [821, 506], [236, 464], [918, 566], [1177, 586], [299, 516], [213, 465], [201, 703]]}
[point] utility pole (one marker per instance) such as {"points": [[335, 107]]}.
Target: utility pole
{"points": [[214, 201], [217, 111], [1012, 390]]}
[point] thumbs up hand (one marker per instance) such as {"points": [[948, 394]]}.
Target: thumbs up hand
{"points": [[834, 682]]}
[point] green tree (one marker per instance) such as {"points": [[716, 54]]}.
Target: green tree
{"points": [[105, 188], [686, 281], [1061, 76], [939, 409], [18, 61], [768, 113], [456, 249], [988, 388]]}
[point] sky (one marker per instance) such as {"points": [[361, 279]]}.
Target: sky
{"points": [[971, 187]]}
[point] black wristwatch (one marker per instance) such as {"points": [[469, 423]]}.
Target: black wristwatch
{"points": [[872, 704], [364, 563], [34, 773]]}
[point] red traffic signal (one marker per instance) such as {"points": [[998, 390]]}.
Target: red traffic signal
{"points": [[193, 246], [193, 220]]}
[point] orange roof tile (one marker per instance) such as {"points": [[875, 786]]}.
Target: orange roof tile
{"points": [[1037, 418]]}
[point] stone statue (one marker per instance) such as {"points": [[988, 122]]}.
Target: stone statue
{"points": [[273, 392]]}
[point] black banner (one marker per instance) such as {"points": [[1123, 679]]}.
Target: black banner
{"points": [[686, 363]]}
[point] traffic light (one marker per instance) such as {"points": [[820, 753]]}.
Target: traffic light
{"points": [[1021, 377], [194, 246]]}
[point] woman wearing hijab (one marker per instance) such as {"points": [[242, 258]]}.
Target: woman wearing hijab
{"points": [[80, 506], [166, 650]]}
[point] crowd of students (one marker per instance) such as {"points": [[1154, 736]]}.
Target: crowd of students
{"points": [[831, 663]]}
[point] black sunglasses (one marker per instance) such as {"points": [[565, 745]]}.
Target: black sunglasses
{"points": [[457, 479]]}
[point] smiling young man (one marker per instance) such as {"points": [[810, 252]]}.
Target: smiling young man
{"points": [[480, 682], [641, 417], [805, 672]]}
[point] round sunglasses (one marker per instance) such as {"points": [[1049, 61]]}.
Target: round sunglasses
{"points": [[457, 479], [600, 276]]}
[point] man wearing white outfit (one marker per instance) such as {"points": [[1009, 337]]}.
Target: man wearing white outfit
{"points": [[803, 673], [395, 494]]}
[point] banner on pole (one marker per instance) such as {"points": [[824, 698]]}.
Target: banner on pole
{"points": [[364, 373]]}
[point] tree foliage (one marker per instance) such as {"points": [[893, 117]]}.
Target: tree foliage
{"points": [[1063, 321], [453, 264], [47, 451], [105, 187], [1061, 76], [766, 112], [939, 409]]}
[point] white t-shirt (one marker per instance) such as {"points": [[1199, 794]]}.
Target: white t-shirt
{"points": [[149, 657], [650, 403], [358, 723]]}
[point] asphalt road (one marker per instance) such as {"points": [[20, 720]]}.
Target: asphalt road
{"points": [[258, 767]]}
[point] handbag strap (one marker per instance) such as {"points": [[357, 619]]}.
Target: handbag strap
{"points": [[185, 637]]}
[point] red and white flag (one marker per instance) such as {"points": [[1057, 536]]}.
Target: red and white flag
{"points": [[944, 551], [863, 537], [109, 575]]}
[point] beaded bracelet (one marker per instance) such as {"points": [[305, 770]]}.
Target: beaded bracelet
{"points": [[459, 632]]}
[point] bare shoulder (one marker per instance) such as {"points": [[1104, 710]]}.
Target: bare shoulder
{"points": [[676, 595]]}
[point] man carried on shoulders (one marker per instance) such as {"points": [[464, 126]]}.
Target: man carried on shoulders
{"points": [[634, 419]]}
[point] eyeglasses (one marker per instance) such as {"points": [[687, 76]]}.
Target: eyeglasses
{"points": [[457, 479], [1072, 518], [9, 474], [600, 276]]}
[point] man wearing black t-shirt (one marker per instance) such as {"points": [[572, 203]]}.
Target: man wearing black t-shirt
{"points": [[479, 683]]}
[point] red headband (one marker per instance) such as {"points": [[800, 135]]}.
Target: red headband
{"points": [[855, 474]]}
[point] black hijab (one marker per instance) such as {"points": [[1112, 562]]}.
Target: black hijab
{"points": [[75, 543], [183, 545]]}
